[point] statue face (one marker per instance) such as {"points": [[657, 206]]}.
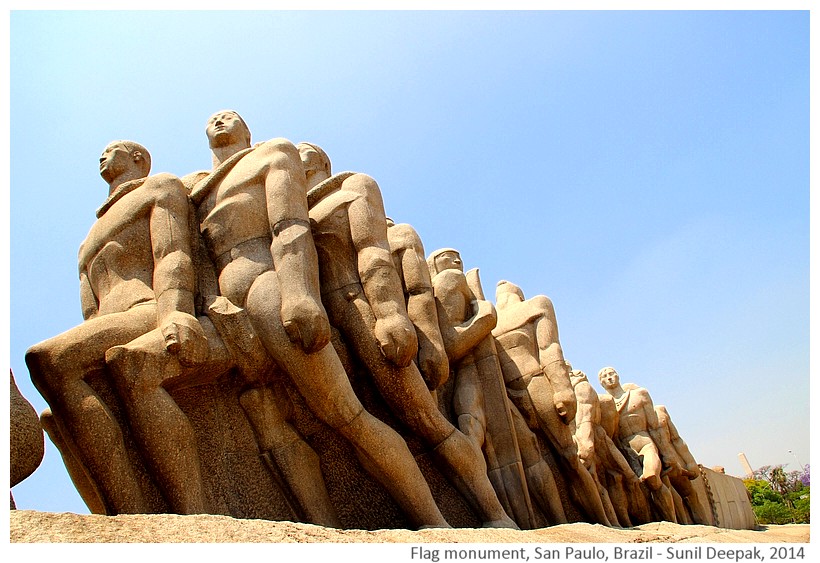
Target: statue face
{"points": [[449, 260], [115, 160], [225, 128], [609, 378], [311, 158]]}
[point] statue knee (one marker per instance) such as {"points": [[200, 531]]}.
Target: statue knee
{"points": [[362, 184], [44, 366], [565, 404], [38, 358], [127, 366], [653, 482]]}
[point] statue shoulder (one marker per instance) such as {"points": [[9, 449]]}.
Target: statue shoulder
{"points": [[166, 187], [403, 235], [449, 280], [541, 302], [192, 179], [276, 145]]}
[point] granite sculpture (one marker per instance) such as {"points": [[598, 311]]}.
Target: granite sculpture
{"points": [[26, 445], [262, 341], [639, 431], [538, 383], [136, 277], [365, 299]]}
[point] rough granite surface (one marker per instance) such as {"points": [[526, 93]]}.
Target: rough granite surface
{"points": [[29, 526]]}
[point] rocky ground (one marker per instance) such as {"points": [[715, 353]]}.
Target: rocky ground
{"points": [[29, 526]]}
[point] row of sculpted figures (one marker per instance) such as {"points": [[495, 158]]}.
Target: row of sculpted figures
{"points": [[261, 340]]}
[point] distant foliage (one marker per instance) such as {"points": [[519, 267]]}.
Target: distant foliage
{"points": [[780, 497], [773, 513]]}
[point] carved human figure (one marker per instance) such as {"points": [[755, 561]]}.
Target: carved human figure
{"points": [[537, 379], [637, 494], [464, 322], [136, 277], [638, 430], [253, 215], [479, 399], [145, 373], [599, 454], [680, 466], [411, 265], [365, 300]]}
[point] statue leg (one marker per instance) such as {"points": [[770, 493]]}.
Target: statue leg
{"points": [[609, 509], [88, 490], [58, 367], [620, 501], [660, 493], [410, 400], [584, 490], [468, 403], [540, 480], [141, 368], [323, 382], [690, 498], [290, 458]]}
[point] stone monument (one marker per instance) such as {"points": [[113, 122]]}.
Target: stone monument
{"points": [[262, 341]]}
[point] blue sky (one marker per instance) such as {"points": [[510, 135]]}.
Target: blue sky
{"points": [[648, 171]]}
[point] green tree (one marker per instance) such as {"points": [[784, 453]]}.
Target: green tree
{"points": [[761, 491], [773, 513], [779, 497]]}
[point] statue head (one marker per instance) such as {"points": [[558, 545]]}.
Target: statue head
{"points": [[226, 128], [507, 292], [576, 376], [124, 158], [313, 157], [315, 161], [609, 378], [444, 259]]}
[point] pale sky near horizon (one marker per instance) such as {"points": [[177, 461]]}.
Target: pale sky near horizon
{"points": [[648, 171]]}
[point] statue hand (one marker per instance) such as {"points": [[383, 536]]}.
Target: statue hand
{"points": [[691, 471], [306, 323], [397, 339], [185, 338], [484, 308], [433, 364], [586, 452]]}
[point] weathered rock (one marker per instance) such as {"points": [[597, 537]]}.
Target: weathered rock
{"points": [[27, 526], [26, 444]]}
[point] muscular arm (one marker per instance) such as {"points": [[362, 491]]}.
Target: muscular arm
{"points": [[585, 415], [174, 278], [294, 255], [408, 250], [681, 448], [453, 302], [380, 280], [551, 358]]}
